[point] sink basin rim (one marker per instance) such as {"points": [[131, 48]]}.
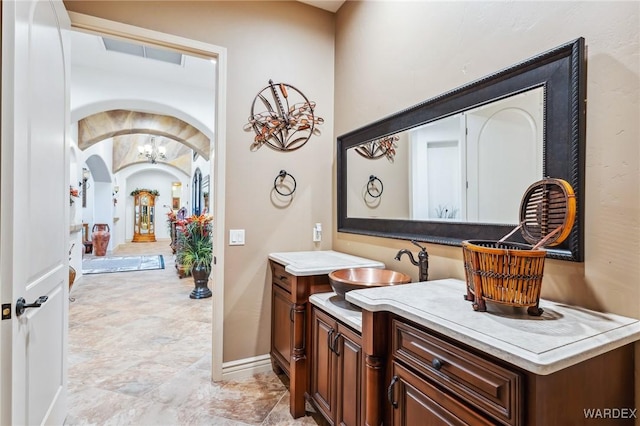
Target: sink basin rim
{"points": [[347, 279]]}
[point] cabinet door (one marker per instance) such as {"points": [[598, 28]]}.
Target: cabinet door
{"points": [[281, 327], [417, 402], [323, 363], [350, 384]]}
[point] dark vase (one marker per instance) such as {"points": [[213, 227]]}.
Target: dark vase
{"points": [[100, 236], [200, 279]]}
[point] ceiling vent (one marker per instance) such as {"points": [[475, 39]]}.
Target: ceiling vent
{"points": [[142, 51]]}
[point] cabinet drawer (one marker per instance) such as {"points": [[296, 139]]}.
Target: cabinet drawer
{"points": [[491, 388], [419, 402], [281, 277]]}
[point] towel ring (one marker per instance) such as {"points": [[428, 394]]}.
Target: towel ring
{"points": [[371, 184], [283, 174]]}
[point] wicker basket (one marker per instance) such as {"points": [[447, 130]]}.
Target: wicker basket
{"points": [[511, 273], [507, 273]]}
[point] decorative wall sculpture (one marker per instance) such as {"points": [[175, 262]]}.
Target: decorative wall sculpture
{"points": [[282, 117]]}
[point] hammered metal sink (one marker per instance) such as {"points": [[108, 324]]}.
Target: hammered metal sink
{"points": [[344, 280]]}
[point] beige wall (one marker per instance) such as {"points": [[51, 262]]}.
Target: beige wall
{"points": [[287, 42], [391, 55]]}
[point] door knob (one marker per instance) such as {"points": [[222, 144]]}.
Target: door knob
{"points": [[22, 304]]}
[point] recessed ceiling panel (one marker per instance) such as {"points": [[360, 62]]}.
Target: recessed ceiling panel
{"points": [[142, 51]]}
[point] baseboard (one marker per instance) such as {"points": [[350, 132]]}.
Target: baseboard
{"points": [[242, 368]]}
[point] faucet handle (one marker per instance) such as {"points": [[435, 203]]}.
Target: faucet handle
{"points": [[415, 243]]}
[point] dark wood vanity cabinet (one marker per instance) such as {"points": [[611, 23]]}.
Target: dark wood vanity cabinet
{"points": [[417, 401], [291, 328], [336, 382], [432, 378], [419, 377]]}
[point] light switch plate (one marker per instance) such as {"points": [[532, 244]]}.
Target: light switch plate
{"points": [[236, 237]]}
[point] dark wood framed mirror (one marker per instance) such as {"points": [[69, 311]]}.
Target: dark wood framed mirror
{"points": [[556, 77]]}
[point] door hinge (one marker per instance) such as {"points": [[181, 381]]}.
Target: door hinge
{"points": [[215, 260], [6, 311]]}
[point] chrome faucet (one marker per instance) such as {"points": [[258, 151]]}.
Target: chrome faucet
{"points": [[422, 263]]}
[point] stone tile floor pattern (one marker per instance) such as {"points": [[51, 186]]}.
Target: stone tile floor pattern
{"points": [[140, 354]]}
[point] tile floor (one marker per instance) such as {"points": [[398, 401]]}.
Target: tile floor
{"points": [[140, 354]]}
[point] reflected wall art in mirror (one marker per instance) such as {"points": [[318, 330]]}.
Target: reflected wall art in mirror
{"points": [[455, 167]]}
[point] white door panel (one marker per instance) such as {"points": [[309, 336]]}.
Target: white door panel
{"points": [[35, 208], [505, 150]]}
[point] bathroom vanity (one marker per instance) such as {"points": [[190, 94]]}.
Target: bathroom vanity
{"points": [[424, 353], [337, 383], [296, 276]]}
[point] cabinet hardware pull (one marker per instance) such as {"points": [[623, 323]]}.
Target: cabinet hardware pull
{"points": [[291, 313], [283, 277], [329, 340], [394, 379], [436, 363], [335, 343]]}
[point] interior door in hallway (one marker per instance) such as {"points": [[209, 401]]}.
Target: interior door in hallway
{"points": [[34, 206]]}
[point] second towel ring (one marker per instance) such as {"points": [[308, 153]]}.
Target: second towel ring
{"points": [[370, 184], [283, 174]]}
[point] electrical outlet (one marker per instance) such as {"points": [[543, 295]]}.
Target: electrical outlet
{"points": [[317, 232]]}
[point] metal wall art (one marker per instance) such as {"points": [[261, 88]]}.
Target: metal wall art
{"points": [[378, 148], [282, 118]]}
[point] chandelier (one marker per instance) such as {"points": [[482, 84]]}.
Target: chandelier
{"points": [[152, 152]]}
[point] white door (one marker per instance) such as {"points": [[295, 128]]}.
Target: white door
{"points": [[504, 156], [34, 207]]}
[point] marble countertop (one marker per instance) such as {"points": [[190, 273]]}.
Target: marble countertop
{"points": [[303, 263], [340, 309], [562, 336]]}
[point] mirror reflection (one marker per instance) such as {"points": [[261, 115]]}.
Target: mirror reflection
{"points": [[455, 167], [472, 166]]}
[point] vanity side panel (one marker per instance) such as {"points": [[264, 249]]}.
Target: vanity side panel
{"points": [[603, 383], [281, 329]]}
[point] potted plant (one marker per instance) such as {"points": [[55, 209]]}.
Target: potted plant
{"points": [[195, 252]]}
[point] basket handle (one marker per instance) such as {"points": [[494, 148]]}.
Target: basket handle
{"points": [[547, 237], [512, 232]]}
